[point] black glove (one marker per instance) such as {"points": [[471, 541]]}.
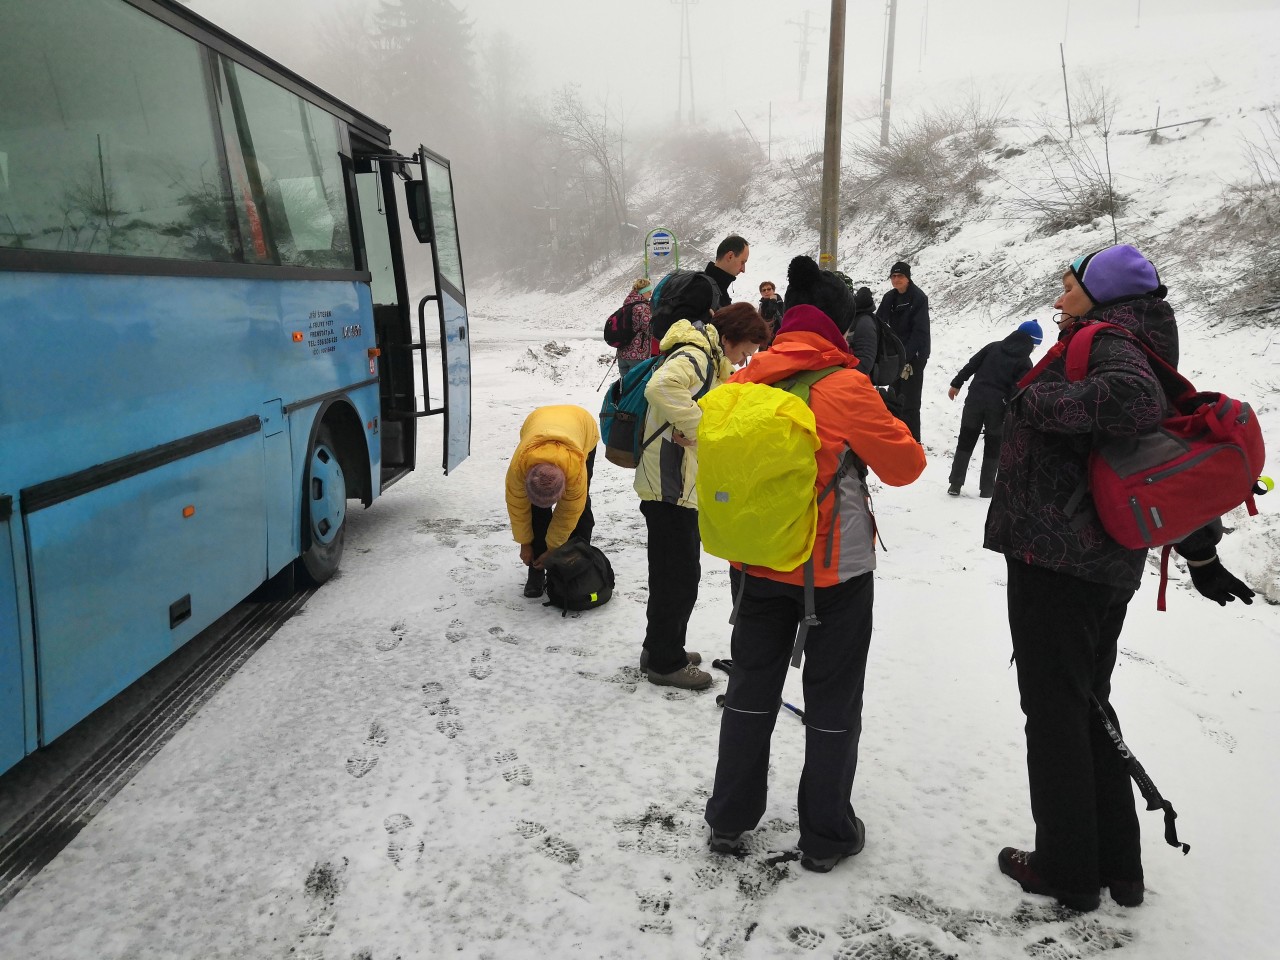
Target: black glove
{"points": [[1215, 582]]}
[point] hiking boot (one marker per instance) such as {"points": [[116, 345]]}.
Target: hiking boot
{"points": [[687, 677], [690, 655], [953, 490], [826, 864], [730, 844], [1018, 865], [985, 494], [1127, 893], [536, 583]]}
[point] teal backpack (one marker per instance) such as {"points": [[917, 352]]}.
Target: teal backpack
{"points": [[624, 409]]}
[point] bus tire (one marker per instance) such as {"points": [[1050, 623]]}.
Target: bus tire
{"points": [[324, 510]]}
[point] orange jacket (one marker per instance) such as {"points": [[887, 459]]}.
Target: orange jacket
{"points": [[850, 415]]}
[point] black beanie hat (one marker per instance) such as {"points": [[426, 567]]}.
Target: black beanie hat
{"points": [[808, 283], [901, 267], [863, 299]]}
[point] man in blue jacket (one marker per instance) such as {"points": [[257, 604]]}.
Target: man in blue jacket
{"points": [[906, 309]]}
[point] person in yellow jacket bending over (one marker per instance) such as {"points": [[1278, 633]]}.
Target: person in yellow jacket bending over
{"points": [[551, 468]]}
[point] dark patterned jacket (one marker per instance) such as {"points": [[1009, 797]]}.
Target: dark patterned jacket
{"points": [[1049, 429]]}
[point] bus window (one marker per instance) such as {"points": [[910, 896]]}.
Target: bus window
{"points": [[446, 223], [377, 237], [290, 151], [107, 151]]}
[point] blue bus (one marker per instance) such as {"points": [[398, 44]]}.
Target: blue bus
{"points": [[208, 343]]}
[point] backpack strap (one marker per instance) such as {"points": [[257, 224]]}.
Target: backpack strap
{"points": [[810, 614], [706, 385]]}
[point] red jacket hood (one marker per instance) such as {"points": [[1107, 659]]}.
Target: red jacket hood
{"points": [[792, 352]]}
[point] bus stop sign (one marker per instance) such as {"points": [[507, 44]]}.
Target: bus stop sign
{"points": [[660, 243]]}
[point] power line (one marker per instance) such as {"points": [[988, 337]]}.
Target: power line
{"points": [[686, 62], [805, 30]]}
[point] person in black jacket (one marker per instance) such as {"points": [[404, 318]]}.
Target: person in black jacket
{"points": [[770, 308], [906, 309], [996, 370], [863, 335], [729, 264]]}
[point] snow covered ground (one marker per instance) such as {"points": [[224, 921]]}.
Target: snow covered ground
{"points": [[424, 763]]}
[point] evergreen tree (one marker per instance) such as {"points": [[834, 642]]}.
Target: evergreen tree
{"points": [[426, 67]]}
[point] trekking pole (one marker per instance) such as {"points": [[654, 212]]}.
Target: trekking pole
{"points": [[1145, 786], [727, 666], [606, 373]]}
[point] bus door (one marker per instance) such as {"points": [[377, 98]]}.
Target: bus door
{"points": [[15, 684], [435, 222], [430, 274], [393, 328]]}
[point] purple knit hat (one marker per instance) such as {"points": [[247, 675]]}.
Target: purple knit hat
{"points": [[1116, 273], [544, 485]]}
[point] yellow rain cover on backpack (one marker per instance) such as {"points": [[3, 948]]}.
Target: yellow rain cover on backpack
{"points": [[757, 470]]}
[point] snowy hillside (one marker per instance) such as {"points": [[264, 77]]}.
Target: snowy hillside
{"points": [[424, 763]]}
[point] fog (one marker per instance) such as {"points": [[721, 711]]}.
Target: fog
{"points": [[504, 93]]}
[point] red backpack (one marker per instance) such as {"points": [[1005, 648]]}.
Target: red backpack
{"points": [[1201, 462]]}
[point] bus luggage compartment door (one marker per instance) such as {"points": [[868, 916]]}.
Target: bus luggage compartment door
{"points": [[126, 573]]}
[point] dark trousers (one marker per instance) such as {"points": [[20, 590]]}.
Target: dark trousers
{"points": [[542, 518], [909, 392], [975, 420], [675, 567], [835, 667], [1065, 632]]}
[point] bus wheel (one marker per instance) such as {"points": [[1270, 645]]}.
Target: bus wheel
{"points": [[324, 509]]}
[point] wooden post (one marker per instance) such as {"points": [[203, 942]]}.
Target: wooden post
{"points": [[830, 230]]}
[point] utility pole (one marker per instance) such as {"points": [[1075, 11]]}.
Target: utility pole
{"points": [[1066, 91], [830, 230], [805, 30], [887, 97], [686, 62]]}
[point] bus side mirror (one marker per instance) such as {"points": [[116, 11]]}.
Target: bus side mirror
{"points": [[415, 192]]}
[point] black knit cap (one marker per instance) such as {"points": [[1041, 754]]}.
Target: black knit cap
{"points": [[901, 267], [808, 283]]}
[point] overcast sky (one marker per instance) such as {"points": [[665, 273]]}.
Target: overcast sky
{"points": [[747, 51]]}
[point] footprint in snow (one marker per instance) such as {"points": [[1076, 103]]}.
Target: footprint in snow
{"points": [[387, 644], [806, 937], [455, 632], [522, 774], [363, 762], [499, 634], [449, 727], [480, 666], [547, 844], [399, 844]]}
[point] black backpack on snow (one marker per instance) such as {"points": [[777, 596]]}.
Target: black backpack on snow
{"points": [[681, 295], [579, 577], [620, 327]]}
